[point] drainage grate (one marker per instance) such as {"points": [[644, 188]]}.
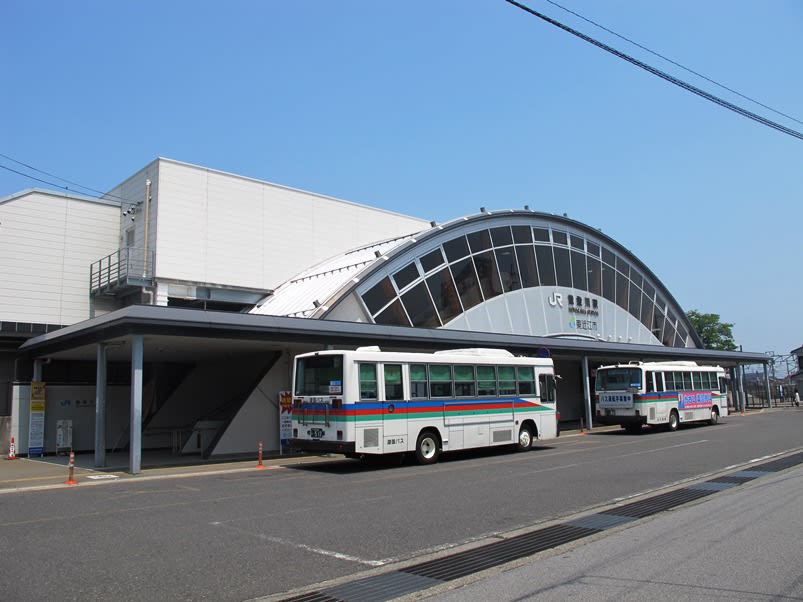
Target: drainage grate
{"points": [[658, 503], [469, 562], [312, 597], [387, 586], [782, 463]]}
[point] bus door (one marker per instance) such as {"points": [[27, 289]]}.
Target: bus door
{"points": [[394, 410], [476, 415]]}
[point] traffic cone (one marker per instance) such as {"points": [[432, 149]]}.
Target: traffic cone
{"points": [[259, 462], [12, 450], [71, 470]]}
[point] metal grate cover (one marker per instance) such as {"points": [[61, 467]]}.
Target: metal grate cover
{"points": [[658, 503], [466, 563]]}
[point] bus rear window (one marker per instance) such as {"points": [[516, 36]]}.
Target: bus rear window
{"points": [[618, 379], [319, 375]]}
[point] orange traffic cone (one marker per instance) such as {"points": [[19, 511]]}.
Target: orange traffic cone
{"points": [[71, 471], [12, 450]]}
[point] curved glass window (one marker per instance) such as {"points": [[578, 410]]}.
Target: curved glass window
{"points": [[455, 249], [379, 295], [419, 307], [508, 268], [407, 275], [501, 236], [579, 270], [522, 234], [465, 279], [563, 269], [444, 294], [526, 257], [546, 265], [393, 315], [466, 270], [479, 241], [490, 283], [432, 260]]}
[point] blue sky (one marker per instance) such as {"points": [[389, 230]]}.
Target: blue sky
{"points": [[434, 109]]}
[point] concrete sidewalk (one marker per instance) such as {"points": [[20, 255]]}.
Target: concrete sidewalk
{"points": [[28, 474]]}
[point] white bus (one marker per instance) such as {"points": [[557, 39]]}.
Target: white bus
{"points": [[660, 393], [369, 402]]}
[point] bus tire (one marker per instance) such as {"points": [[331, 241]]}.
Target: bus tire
{"points": [[525, 441], [714, 416], [427, 447], [674, 421]]}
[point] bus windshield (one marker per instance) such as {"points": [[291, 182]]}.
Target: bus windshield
{"points": [[618, 379], [319, 375]]}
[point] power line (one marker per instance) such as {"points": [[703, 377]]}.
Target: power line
{"points": [[49, 183], [667, 59], [671, 79]]}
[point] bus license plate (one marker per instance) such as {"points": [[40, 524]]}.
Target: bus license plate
{"points": [[316, 433]]}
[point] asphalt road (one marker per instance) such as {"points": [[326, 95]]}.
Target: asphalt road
{"points": [[245, 535]]}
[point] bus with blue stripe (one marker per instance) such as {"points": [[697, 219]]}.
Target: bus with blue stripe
{"points": [[368, 402], [664, 394]]}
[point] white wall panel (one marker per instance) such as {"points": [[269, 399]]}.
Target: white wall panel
{"points": [[47, 245], [225, 229]]}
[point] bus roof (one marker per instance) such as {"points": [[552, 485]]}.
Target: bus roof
{"points": [[464, 356], [678, 364]]}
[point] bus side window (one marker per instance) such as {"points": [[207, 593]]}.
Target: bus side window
{"points": [[507, 380], [464, 384], [393, 382], [546, 385], [525, 375], [649, 386], [687, 381], [368, 381], [486, 381], [723, 385], [697, 381], [440, 380], [418, 381], [659, 382]]}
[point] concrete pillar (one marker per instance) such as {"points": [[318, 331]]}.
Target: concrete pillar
{"points": [[100, 407], [587, 393], [135, 430]]}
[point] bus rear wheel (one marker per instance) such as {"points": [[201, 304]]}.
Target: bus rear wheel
{"points": [[525, 441], [427, 448], [674, 421]]}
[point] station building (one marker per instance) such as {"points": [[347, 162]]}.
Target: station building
{"points": [[165, 315]]}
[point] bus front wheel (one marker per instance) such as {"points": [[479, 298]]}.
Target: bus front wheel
{"points": [[525, 441], [674, 420], [427, 448]]}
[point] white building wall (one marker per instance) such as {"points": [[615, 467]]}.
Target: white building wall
{"points": [[224, 229], [48, 242]]}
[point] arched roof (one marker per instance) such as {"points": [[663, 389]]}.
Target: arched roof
{"points": [[511, 271]]}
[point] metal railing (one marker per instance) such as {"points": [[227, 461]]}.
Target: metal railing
{"points": [[127, 267]]}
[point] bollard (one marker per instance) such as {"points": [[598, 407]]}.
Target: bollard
{"points": [[582, 430], [259, 463], [12, 450], [71, 470]]}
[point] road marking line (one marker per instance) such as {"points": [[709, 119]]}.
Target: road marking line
{"points": [[313, 549]]}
